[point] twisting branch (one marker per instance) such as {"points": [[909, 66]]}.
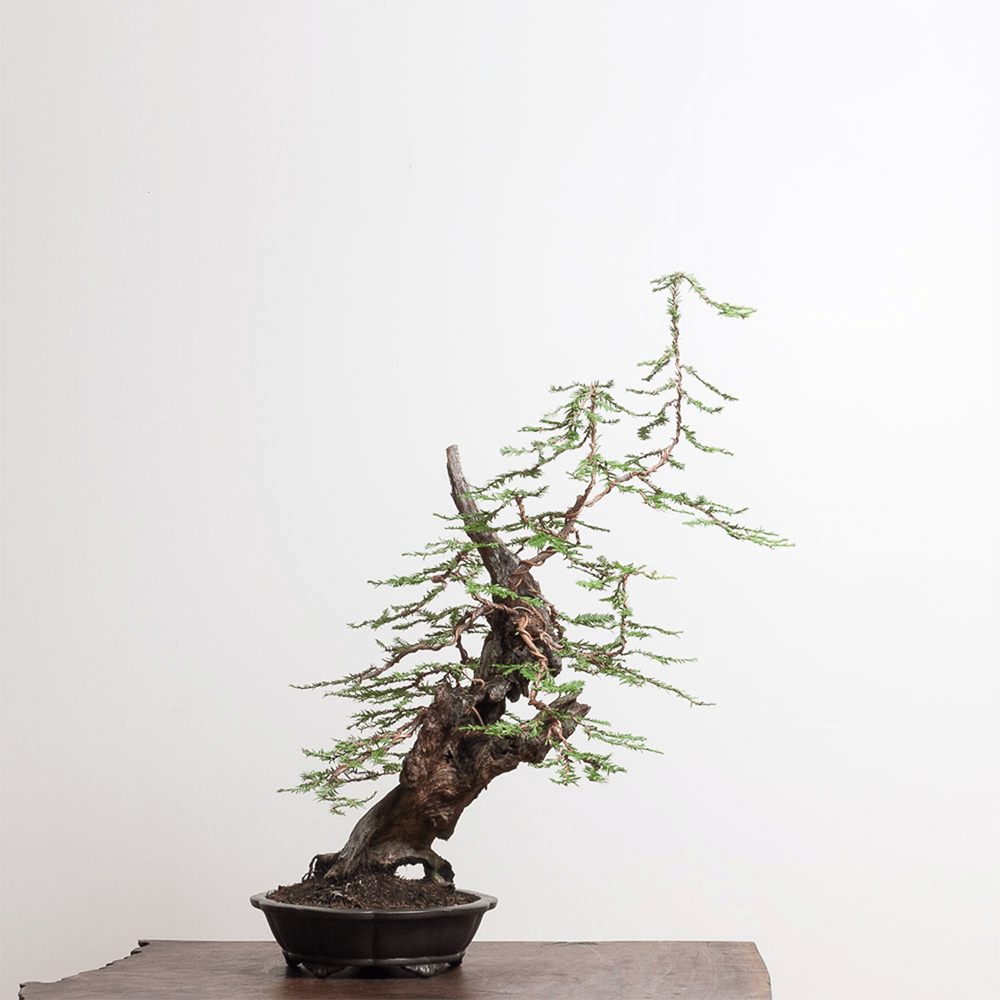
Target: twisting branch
{"points": [[662, 457]]}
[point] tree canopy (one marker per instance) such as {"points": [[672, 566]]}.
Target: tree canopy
{"points": [[503, 533]]}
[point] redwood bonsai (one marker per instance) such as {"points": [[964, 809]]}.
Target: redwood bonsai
{"points": [[481, 672]]}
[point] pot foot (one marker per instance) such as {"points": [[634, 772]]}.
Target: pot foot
{"points": [[321, 971], [430, 968]]}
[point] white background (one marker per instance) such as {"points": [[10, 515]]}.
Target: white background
{"points": [[263, 262]]}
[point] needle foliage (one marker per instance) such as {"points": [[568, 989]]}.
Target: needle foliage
{"points": [[433, 632]]}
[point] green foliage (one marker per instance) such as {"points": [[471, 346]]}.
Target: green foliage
{"points": [[450, 595]]}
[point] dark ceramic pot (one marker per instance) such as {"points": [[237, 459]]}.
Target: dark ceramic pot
{"points": [[327, 939]]}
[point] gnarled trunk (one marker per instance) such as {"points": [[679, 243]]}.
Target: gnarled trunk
{"points": [[443, 773], [449, 766]]}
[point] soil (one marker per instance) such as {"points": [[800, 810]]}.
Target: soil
{"points": [[370, 891]]}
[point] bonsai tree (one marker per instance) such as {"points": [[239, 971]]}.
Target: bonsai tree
{"points": [[481, 673]]}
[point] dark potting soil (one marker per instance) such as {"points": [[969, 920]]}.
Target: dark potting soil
{"points": [[370, 891]]}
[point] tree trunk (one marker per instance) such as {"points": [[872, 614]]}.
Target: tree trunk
{"points": [[446, 769], [449, 766]]}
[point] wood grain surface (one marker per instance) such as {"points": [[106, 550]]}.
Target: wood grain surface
{"points": [[497, 970]]}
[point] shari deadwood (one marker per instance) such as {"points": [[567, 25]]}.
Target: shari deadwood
{"points": [[448, 718]]}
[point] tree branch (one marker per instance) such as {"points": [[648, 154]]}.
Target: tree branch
{"points": [[499, 561]]}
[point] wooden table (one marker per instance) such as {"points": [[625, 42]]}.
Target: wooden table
{"points": [[498, 970]]}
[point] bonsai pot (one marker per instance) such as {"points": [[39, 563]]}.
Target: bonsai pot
{"points": [[327, 939]]}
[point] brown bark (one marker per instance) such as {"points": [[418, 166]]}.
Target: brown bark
{"points": [[504, 643], [449, 766]]}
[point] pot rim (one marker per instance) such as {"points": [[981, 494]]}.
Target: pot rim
{"points": [[484, 902]]}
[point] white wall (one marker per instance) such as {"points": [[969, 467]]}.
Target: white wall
{"points": [[260, 261]]}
